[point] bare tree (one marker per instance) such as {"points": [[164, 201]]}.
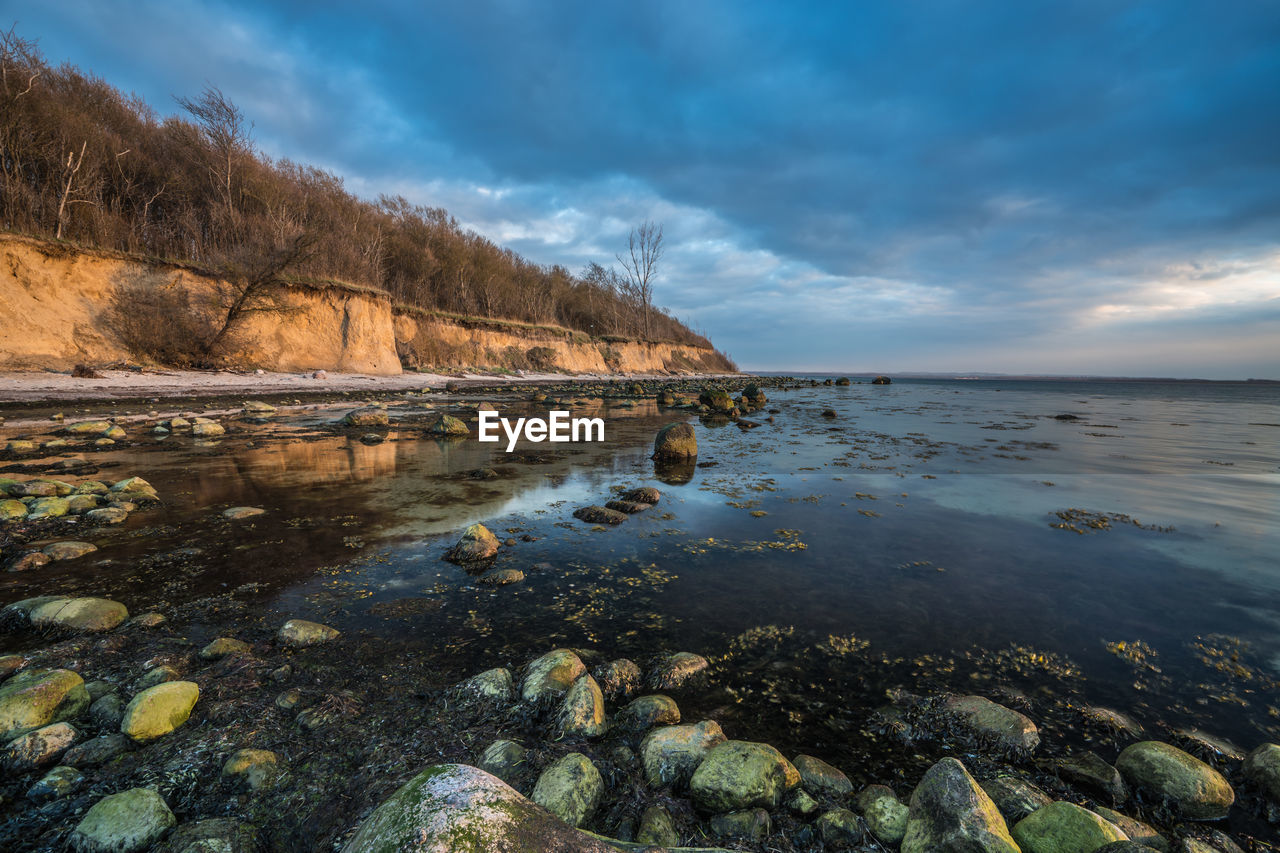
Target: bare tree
{"points": [[228, 134], [255, 283], [644, 251]]}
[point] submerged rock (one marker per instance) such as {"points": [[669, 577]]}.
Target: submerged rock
{"points": [[675, 441], [643, 495], [949, 813], [259, 768], [1192, 788], [477, 543], [159, 710], [570, 788], [502, 577], [1063, 828], [627, 507], [236, 513], [672, 753], [299, 633], [739, 774], [552, 674], [129, 821], [1006, 726], [68, 550], [34, 698], [672, 671], [599, 515]]}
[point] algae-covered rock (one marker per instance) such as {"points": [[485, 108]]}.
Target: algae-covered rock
{"points": [[68, 550], [737, 775], [79, 614], [618, 678], [159, 710], [1064, 828], [48, 508], [649, 711], [599, 515], [657, 828], [477, 543], [368, 417], [299, 633], [492, 684], [259, 768], [1136, 830], [675, 441], [671, 754], [1087, 768], [949, 813], [12, 509], [1194, 789], [552, 674], [884, 813], [672, 671], [223, 647], [504, 759], [129, 821], [569, 788], [751, 824], [1016, 798], [582, 711], [449, 426], [1008, 727], [34, 698], [1262, 767], [819, 776], [212, 835], [58, 782], [40, 747]]}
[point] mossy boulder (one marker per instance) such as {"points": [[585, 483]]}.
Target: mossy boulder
{"points": [[671, 754], [495, 685], [48, 508], [159, 710], [885, 814], [12, 509], [950, 813], [1064, 828], [599, 515], [551, 675], [1192, 788], [449, 426], [1007, 727], [300, 633], [582, 711], [367, 417], [1014, 797], [570, 788], [69, 550], [839, 827], [675, 441], [477, 543], [716, 400], [34, 698], [1262, 767], [820, 777], [649, 711], [223, 647], [79, 614], [738, 775], [129, 821]]}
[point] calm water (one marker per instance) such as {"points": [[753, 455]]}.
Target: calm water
{"points": [[906, 542]]}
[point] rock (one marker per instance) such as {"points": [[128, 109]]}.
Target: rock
{"points": [[32, 489], [842, 381], [236, 513], [1064, 828], [212, 835], [504, 759], [476, 544], [157, 675], [98, 750], [147, 620], [618, 679], [367, 417], [671, 754], [299, 633], [1088, 769], [159, 710], [1262, 767], [492, 684], [649, 711], [1194, 789], [107, 515], [674, 670], [884, 813], [133, 486], [107, 712], [819, 776], [48, 508], [627, 507], [87, 428], [57, 783], [258, 767], [739, 774], [34, 698], [1113, 720], [40, 747], [643, 495], [657, 828], [80, 504], [582, 711], [12, 510], [1124, 847], [675, 441], [599, 515], [1212, 842], [799, 802], [949, 813], [1014, 797], [502, 577], [68, 550], [129, 821], [9, 664], [1010, 729], [882, 380], [752, 824], [30, 560], [447, 425], [570, 788], [839, 826], [289, 699], [79, 614], [224, 646], [552, 674], [177, 423], [257, 407], [205, 428], [1137, 831]]}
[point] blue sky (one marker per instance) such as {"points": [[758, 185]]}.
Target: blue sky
{"points": [[1088, 187]]}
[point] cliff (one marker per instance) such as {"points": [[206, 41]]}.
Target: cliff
{"points": [[61, 306]]}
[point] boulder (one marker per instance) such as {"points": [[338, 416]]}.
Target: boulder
{"points": [[79, 614], [107, 515], [882, 380], [58, 782], [885, 814], [504, 759], [1010, 729], [367, 417], [657, 828], [159, 710], [477, 543], [107, 712], [205, 428], [1014, 797], [1088, 769], [552, 674], [12, 510], [582, 711], [599, 515], [618, 679], [259, 768], [34, 698], [839, 827], [1192, 788], [751, 824], [1064, 828], [737, 775], [643, 495], [223, 647], [1136, 830], [1262, 767], [68, 550], [299, 633], [447, 425], [212, 835], [98, 750], [569, 788], [129, 821], [649, 711], [672, 671], [40, 747], [627, 507], [157, 675], [675, 441], [48, 508], [820, 777], [949, 813], [671, 754], [492, 684]]}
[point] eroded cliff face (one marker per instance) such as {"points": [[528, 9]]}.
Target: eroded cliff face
{"points": [[61, 306]]}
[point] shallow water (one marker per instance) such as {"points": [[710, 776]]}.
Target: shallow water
{"points": [[906, 542]]}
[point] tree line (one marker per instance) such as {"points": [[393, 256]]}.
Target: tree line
{"points": [[84, 162]]}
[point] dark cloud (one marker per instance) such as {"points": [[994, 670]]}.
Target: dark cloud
{"points": [[905, 186]]}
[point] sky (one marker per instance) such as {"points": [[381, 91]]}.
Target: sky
{"points": [[1019, 187]]}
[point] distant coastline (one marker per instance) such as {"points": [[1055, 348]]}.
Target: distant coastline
{"points": [[1011, 377]]}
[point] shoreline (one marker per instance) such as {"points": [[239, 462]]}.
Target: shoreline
{"points": [[129, 385]]}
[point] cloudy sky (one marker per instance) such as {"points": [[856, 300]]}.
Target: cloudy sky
{"points": [[1088, 187]]}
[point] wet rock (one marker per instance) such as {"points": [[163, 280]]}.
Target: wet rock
{"points": [[582, 712], [820, 777], [107, 711], [159, 710], [882, 380], [1088, 769], [147, 620], [492, 684], [30, 560], [1262, 767], [502, 577], [737, 775], [299, 633], [1064, 828], [751, 824], [1114, 720], [452, 808], [48, 508], [649, 711], [236, 513], [570, 788], [1204, 743], [672, 754], [799, 802], [98, 750], [33, 489], [599, 515], [9, 664], [259, 768], [212, 835], [643, 495], [1192, 788], [627, 507], [618, 679], [675, 441], [87, 428], [552, 674], [68, 550], [447, 425], [57, 783], [224, 646], [157, 675], [1006, 726], [40, 747], [504, 759], [1212, 842], [1136, 830], [34, 698], [129, 821], [884, 813], [839, 826], [133, 487], [672, 671], [842, 381], [289, 699], [107, 515], [949, 813], [717, 401], [367, 417], [477, 543], [79, 614], [12, 510], [80, 504], [657, 828]]}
